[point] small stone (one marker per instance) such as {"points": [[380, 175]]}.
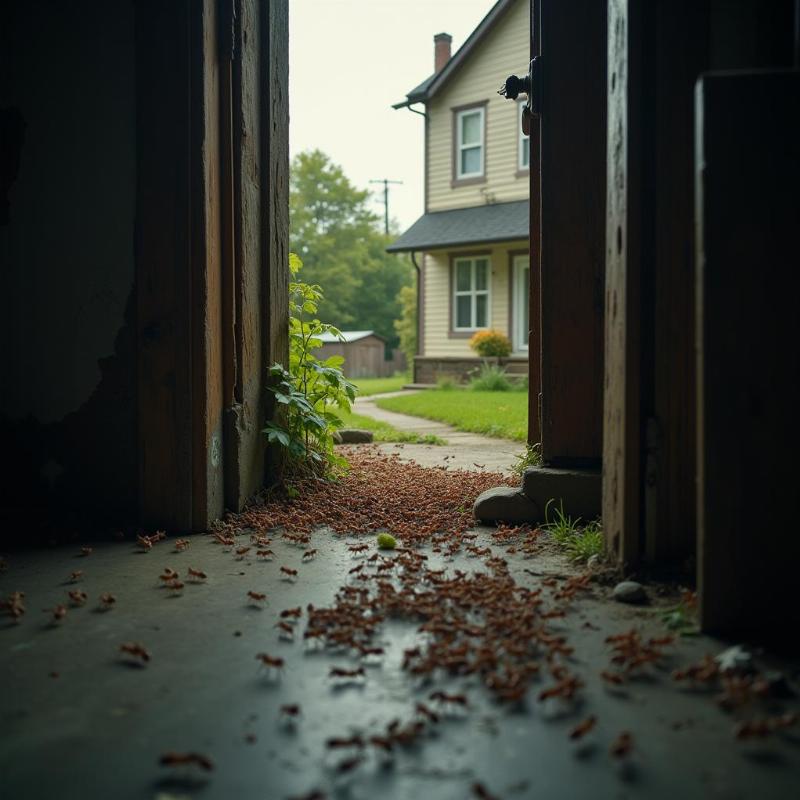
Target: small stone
{"points": [[593, 561], [354, 436], [505, 504], [630, 592]]}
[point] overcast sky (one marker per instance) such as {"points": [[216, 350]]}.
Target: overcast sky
{"points": [[349, 61]]}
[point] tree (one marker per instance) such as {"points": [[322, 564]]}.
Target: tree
{"points": [[406, 326], [342, 248]]}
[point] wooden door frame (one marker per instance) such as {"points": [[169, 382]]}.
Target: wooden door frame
{"points": [[211, 316]]}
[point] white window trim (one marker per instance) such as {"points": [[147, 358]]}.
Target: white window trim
{"points": [[520, 338], [473, 292], [521, 139], [460, 146]]}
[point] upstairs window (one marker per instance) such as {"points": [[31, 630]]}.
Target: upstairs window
{"points": [[470, 145], [470, 293], [524, 145]]}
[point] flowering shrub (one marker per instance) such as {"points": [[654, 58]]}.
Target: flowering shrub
{"points": [[491, 343]]}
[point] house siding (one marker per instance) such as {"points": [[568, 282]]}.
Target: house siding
{"points": [[439, 341], [505, 51]]}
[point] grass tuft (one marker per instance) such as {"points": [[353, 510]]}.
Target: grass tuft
{"points": [[491, 379], [532, 457], [579, 542]]}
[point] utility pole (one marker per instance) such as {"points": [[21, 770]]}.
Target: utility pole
{"points": [[385, 182]]}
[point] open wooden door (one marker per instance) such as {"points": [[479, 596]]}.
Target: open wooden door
{"points": [[567, 230]]}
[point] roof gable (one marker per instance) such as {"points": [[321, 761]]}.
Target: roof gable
{"points": [[431, 85]]}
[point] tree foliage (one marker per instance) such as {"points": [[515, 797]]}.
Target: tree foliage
{"points": [[343, 249], [406, 326]]}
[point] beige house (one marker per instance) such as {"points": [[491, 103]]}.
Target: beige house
{"points": [[471, 245]]}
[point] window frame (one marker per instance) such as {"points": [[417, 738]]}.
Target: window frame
{"points": [[522, 169], [458, 113], [473, 292]]}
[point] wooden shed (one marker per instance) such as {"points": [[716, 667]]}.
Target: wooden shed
{"points": [[363, 351]]}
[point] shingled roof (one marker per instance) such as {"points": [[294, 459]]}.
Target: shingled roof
{"points": [[498, 222]]}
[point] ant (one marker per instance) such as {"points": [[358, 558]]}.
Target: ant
{"points": [[168, 575], [59, 612], [291, 711], [348, 765], [622, 745], [270, 662], [265, 554], [612, 677], [76, 575], [107, 601], [309, 554], [181, 544], [241, 552], [287, 631], [256, 597], [86, 551], [452, 699], [175, 586], [78, 598], [481, 792], [339, 743], [173, 759], [338, 672], [292, 613], [136, 650], [582, 728], [197, 574], [291, 574]]}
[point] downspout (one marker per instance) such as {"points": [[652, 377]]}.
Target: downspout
{"points": [[419, 304]]}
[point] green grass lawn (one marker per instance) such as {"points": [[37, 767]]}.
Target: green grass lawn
{"points": [[383, 431], [502, 414], [368, 386]]}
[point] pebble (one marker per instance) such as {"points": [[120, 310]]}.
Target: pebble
{"points": [[630, 592]]}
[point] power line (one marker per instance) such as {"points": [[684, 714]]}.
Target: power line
{"points": [[385, 182]]}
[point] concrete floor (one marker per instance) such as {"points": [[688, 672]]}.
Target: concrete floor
{"points": [[98, 729], [463, 450]]}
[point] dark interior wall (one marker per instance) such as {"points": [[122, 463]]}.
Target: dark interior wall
{"points": [[66, 404]]}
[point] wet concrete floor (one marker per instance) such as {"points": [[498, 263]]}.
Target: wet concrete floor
{"points": [[79, 722]]}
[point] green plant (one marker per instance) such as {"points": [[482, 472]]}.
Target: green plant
{"points": [[490, 379], [532, 457], [446, 383], [491, 343], [580, 543], [307, 392], [562, 527], [586, 543], [682, 618]]}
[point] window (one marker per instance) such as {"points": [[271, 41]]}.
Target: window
{"points": [[470, 294], [469, 143], [524, 146]]}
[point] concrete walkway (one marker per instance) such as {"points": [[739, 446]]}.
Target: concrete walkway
{"points": [[463, 450]]}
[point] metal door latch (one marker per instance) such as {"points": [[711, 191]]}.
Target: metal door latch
{"points": [[529, 86]]}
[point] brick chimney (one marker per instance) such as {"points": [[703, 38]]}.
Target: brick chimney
{"points": [[441, 50]]}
